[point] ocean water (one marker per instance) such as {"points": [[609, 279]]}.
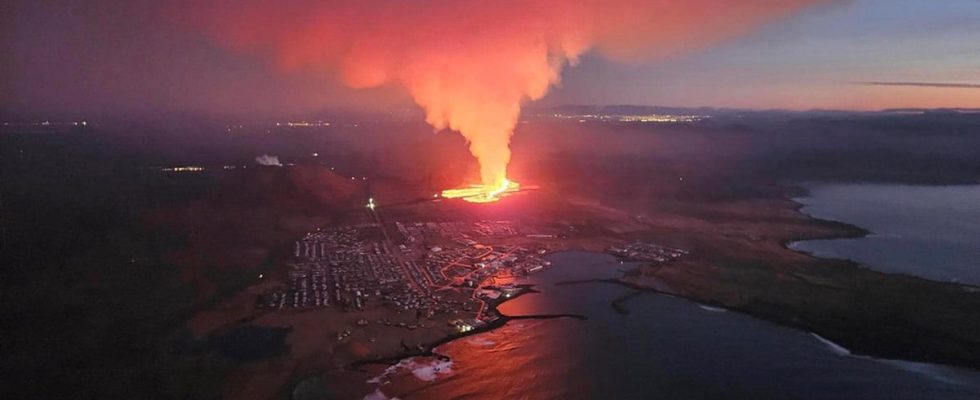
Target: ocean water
{"points": [[927, 231], [665, 348]]}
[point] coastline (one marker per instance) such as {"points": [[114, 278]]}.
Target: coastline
{"points": [[881, 230], [940, 372], [428, 349], [760, 277], [862, 336]]}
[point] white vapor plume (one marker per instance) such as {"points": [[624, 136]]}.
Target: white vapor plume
{"points": [[269, 161]]}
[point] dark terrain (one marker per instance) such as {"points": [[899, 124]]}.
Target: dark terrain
{"points": [[106, 257]]}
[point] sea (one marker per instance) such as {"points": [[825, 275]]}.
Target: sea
{"points": [[663, 348], [931, 232]]}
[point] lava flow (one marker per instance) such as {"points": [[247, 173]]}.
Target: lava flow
{"points": [[482, 193]]}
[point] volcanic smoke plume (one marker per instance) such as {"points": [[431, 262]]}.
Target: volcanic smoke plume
{"points": [[269, 161], [472, 63]]}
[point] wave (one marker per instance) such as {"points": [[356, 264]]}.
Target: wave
{"points": [[377, 394], [432, 371], [422, 370], [937, 372], [480, 341], [834, 347], [712, 309]]}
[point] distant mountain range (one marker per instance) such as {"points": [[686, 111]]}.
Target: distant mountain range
{"points": [[575, 109]]}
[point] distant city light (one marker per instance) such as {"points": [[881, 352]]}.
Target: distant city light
{"points": [[304, 124], [643, 118], [45, 123], [183, 169]]}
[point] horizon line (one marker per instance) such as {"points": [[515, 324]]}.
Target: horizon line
{"points": [[922, 84]]}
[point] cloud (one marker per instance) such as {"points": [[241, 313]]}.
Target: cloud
{"points": [[267, 160], [472, 64], [923, 84]]}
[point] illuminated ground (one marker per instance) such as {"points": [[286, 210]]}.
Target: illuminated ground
{"points": [[737, 261], [483, 193]]}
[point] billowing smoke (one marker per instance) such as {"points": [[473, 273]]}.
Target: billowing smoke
{"points": [[472, 63], [269, 161]]}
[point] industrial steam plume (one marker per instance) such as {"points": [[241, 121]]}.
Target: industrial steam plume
{"points": [[471, 64]]}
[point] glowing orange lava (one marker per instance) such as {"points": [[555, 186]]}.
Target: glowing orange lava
{"points": [[482, 193], [472, 64]]}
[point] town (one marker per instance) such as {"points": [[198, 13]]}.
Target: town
{"points": [[457, 269]]}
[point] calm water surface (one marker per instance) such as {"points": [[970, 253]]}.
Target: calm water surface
{"points": [[927, 231], [665, 348]]}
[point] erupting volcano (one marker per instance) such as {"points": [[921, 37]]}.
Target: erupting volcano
{"points": [[482, 193], [471, 64]]}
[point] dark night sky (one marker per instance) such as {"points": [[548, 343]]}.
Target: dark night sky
{"points": [[72, 58]]}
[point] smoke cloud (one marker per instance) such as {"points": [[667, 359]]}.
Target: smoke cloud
{"points": [[471, 64], [269, 161]]}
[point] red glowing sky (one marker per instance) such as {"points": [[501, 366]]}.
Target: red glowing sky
{"points": [[111, 56], [472, 64]]}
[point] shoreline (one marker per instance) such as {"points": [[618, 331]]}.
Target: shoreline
{"points": [[428, 350], [841, 230], [943, 373], [937, 351], [770, 274], [857, 232], [618, 305]]}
